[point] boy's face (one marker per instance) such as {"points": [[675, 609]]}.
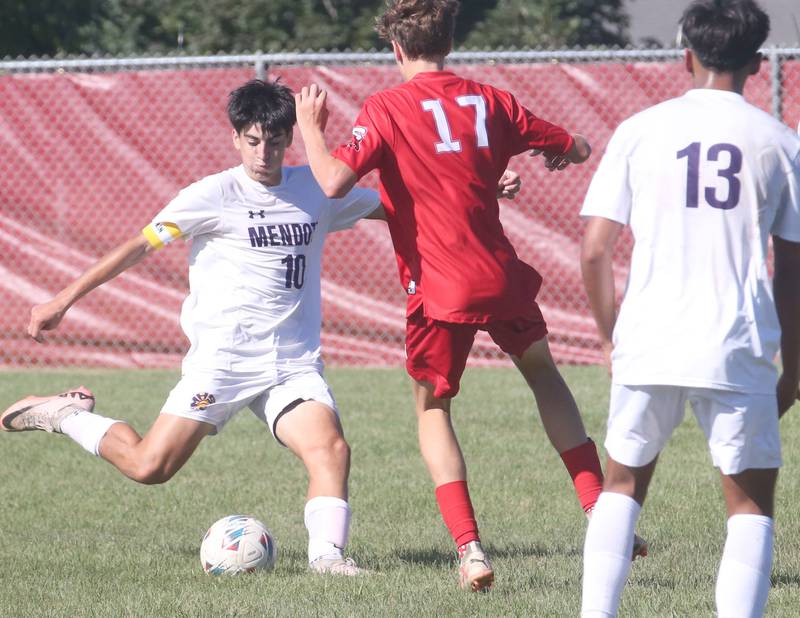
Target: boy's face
{"points": [[262, 153]]}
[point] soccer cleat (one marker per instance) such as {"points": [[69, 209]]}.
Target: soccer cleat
{"points": [[46, 413], [639, 547], [474, 570], [336, 566]]}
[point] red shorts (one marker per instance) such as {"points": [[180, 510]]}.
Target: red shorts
{"points": [[436, 352]]}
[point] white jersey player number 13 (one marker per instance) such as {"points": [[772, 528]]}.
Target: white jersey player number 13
{"points": [[722, 154]]}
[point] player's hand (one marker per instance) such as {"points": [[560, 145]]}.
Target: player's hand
{"points": [[311, 109], [508, 185], [580, 151], [788, 392], [552, 162], [46, 316]]}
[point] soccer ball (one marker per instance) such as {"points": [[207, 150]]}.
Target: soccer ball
{"points": [[237, 544]]}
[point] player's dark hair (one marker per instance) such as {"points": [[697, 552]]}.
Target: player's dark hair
{"points": [[423, 28], [268, 104], [725, 35]]}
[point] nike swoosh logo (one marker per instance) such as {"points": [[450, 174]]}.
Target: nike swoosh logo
{"points": [[10, 417]]}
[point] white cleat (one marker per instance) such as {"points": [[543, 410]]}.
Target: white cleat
{"points": [[46, 413], [475, 572], [336, 566]]}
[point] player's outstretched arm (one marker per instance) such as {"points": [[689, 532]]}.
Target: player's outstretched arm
{"points": [[47, 316], [334, 177], [597, 251], [580, 151], [787, 304]]}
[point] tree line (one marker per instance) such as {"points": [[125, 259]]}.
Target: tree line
{"points": [[146, 27]]}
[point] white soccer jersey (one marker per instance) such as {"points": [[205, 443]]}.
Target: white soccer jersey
{"points": [[254, 267], [703, 180]]}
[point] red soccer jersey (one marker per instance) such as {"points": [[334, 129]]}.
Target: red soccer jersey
{"points": [[441, 143]]}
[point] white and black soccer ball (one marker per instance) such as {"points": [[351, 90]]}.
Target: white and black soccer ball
{"points": [[237, 544]]}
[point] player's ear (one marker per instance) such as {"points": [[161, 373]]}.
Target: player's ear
{"points": [[289, 136], [688, 60], [755, 64], [235, 138], [398, 52]]}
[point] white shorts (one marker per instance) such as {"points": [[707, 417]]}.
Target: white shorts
{"points": [[214, 399], [741, 428]]}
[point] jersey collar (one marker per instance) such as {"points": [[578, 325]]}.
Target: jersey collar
{"points": [[433, 74], [715, 93], [257, 186]]}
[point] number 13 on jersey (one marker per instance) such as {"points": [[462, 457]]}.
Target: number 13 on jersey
{"points": [[693, 155]]}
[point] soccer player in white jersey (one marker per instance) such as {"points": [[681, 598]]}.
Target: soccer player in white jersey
{"points": [[703, 180], [252, 316]]}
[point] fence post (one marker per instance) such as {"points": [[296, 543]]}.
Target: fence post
{"points": [[260, 65], [775, 72]]}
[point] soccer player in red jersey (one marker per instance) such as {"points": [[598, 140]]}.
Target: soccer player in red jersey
{"points": [[440, 143]]}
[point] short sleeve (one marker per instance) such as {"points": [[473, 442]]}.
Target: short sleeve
{"points": [[609, 194], [533, 133], [787, 220], [364, 152], [357, 204], [196, 210]]}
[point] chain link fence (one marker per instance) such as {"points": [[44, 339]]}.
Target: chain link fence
{"points": [[90, 150]]}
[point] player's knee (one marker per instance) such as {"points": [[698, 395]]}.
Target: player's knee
{"points": [[153, 472], [339, 450], [331, 452], [539, 369], [628, 481], [542, 367]]}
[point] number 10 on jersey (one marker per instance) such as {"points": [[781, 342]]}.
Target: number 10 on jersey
{"points": [[295, 270]]}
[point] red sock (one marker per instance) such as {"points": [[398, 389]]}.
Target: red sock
{"points": [[583, 466], [457, 512]]}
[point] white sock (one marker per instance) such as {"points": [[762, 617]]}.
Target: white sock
{"points": [[328, 523], [743, 579], [607, 554], [86, 428]]}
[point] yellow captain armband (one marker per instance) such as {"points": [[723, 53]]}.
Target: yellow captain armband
{"points": [[160, 234]]}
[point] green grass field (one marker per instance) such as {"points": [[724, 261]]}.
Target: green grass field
{"points": [[78, 539]]}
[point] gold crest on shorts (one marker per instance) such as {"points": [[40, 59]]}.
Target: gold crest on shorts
{"points": [[202, 400]]}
